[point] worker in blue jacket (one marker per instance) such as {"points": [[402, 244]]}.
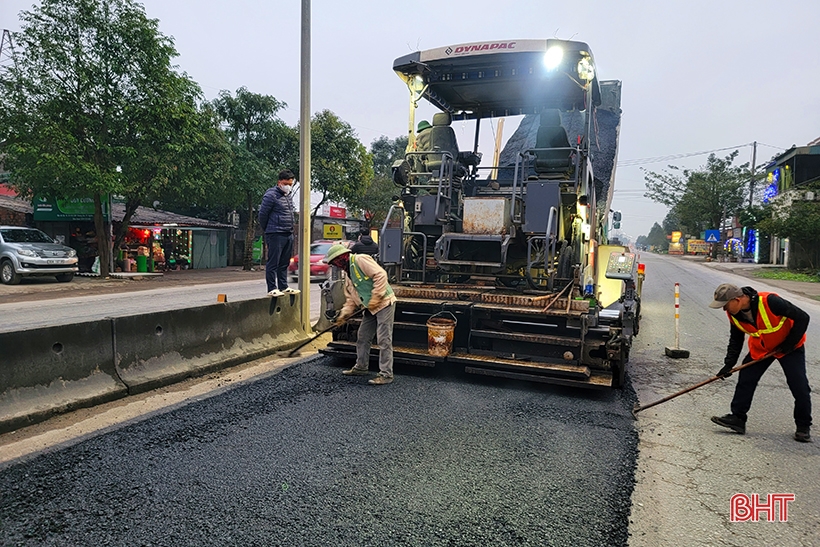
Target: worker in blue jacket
{"points": [[276, 217]]}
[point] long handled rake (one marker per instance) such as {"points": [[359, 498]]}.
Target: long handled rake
{"points": [[637, 408]]}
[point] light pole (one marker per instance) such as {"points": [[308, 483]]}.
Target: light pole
{"points": [[304, 170]]}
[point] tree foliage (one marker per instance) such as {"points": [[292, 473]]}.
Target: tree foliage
{"points": [[379, 195], [657, 238], [702, 197], [799, 221], [91, 106], [262, 145], [341, 167]]}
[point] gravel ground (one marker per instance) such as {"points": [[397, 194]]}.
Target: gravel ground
{"points": [[308, 457]]}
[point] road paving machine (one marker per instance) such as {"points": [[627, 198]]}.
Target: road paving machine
{"points": [[506, 269]]}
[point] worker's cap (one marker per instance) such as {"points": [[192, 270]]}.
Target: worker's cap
{"points": [[335, 252], [724, 293], [423, 124]]}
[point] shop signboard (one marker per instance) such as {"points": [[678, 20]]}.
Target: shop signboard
{"points": [[76, 209], [697, 246], [333, 231], [337, 212]]}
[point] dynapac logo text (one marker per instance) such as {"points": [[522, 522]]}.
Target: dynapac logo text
{"points": [[461, 50]]}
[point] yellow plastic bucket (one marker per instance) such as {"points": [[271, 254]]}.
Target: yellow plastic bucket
{"points": [[440, 334]]}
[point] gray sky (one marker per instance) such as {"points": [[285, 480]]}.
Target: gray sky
{"points": [[697, 75]]}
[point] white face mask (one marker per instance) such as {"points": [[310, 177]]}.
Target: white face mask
{"points": [[286, 189]]}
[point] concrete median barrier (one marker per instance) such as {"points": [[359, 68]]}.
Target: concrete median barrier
{"points": [[50, 370], [158, 349], [56, 369]]}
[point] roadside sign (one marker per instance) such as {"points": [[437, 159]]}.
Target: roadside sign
{"points": [[712, 236], [333, 231], [77, 209]]}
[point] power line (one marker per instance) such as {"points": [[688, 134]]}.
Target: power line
{"points": [[770, 146], [657, 159]]}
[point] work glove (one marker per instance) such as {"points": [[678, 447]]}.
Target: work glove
{"points": [[341, 319], [725, 372], [784, 349]]}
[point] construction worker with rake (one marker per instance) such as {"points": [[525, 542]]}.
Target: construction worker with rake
{"points": [[366, 285], [775, 327]]}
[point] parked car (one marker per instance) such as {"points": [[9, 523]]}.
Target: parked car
{"points": [[28, 252], [319, 271]]}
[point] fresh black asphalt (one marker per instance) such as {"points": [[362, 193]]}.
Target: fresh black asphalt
{"points": [[310, 457]]}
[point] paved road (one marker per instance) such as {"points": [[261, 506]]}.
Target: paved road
{"points": [[689, 468], [310, 457], [76, 309], [306, 457]]}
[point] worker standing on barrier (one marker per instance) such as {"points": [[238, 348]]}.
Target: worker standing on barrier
{"points": [[366, 285], [774, 325]]}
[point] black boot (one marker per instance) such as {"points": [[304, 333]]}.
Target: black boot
{"points": [[735, 423]]}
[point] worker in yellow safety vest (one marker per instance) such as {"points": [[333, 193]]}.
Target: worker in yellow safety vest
{"points": [[366, 285], [775, 327]]}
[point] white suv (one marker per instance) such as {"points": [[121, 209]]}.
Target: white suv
{"points": [[26, 252]]}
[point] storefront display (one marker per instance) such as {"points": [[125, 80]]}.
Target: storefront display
{"points": [[154, 249]]}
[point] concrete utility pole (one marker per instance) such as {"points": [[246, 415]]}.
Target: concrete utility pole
{"points": [[752, 182], [304, 170]]}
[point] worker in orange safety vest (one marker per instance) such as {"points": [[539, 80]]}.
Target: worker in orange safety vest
{"points": [[775, 326]]}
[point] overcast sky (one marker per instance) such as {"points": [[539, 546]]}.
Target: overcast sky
{"points": [[697, 75]]}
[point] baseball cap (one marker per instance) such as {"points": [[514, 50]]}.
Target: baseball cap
{"points": [[724, 293]]}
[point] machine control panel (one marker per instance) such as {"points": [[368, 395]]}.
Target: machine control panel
{"points": [[621, 265]]}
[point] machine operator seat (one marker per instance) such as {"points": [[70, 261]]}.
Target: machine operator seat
{"points": [[442, 137], [552, 163]]}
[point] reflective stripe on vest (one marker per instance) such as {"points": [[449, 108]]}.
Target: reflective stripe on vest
{"points": [[363, 283], [762, 314]]}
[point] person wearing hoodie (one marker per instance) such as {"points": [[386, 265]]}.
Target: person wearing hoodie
{"points": [[365, 245], [775, 327]]}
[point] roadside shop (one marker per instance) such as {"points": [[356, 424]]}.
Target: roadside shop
{"points": [[156, 240]]}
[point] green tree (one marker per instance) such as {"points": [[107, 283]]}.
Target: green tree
{"points": [[703, 197], [672, 222], [657, 238], [799, 221], [341, 167], [92, 106], [263, 144], [379, 194]]}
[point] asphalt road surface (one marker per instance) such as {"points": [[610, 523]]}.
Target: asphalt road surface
{"points": [[310, 457], [689, 468]]}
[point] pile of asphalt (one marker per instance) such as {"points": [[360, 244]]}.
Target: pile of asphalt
{"points": [[311, 457], [603, 145]]}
